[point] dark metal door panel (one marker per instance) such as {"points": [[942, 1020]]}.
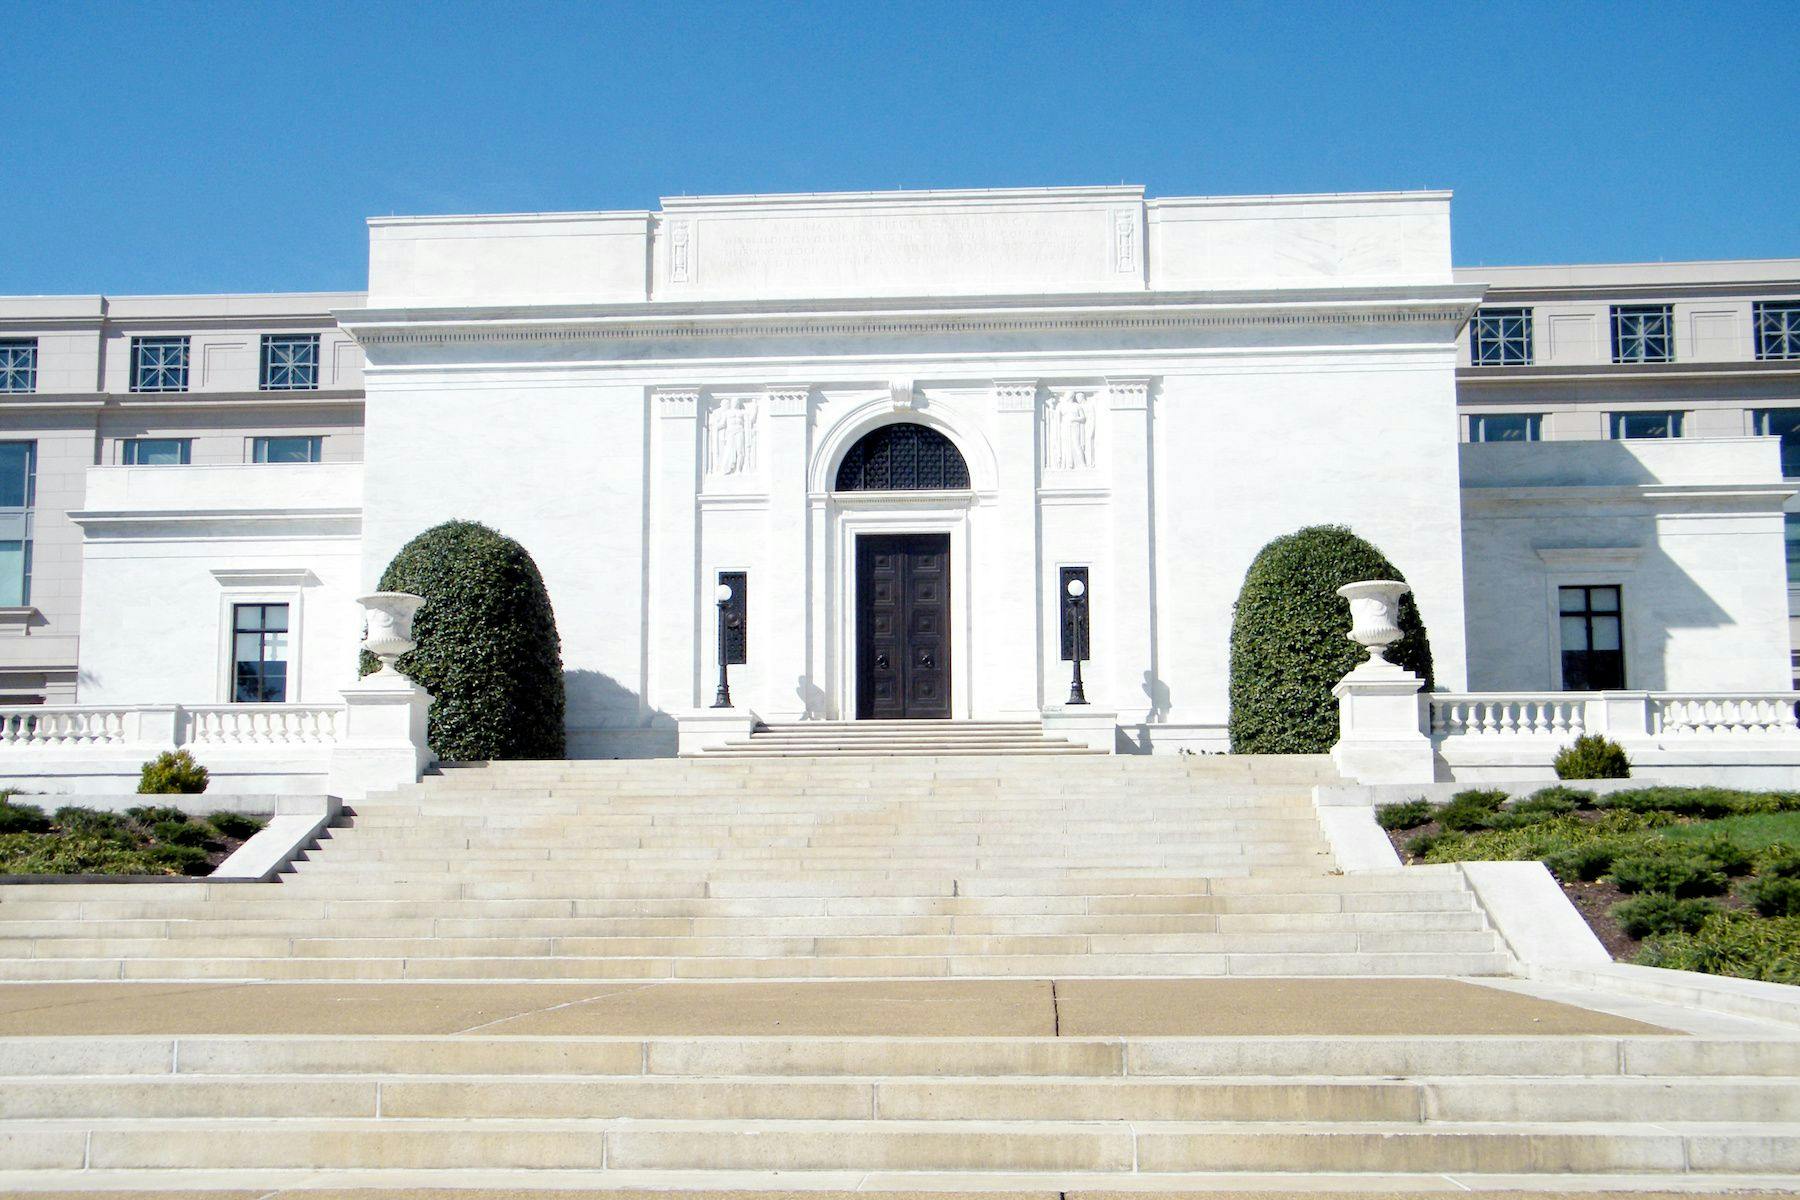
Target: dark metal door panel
{"points": [[903, 626]]}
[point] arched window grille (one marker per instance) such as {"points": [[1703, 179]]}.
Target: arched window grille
{"points": [[902, 458]]}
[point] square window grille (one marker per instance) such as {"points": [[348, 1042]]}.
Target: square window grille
{"points": [[18, 365], [1505, 427], [1500, 337], [159, 364], [290, 362], [1643, 334], [1777, 329]]}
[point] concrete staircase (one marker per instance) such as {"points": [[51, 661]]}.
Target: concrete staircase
{"points": [[913, 867], [914, 871], [852, 739]]}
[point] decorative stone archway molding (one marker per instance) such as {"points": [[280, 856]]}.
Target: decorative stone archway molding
{"points": [[886, 409]]}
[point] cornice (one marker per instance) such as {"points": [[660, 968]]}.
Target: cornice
{"points": [[1720, 497], [1626, 372], [1130, 312]]}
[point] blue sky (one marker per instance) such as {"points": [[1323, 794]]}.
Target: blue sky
{"points": [[221, 147]]}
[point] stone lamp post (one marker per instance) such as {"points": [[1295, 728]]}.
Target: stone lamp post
{"points": [[1381, 708], [383, 741]]}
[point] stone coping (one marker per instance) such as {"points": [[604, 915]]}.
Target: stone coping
{"points": [[1207, 1007]]}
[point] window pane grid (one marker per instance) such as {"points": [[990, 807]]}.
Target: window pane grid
{"points": [[1643, 334], [1777, 329], [1506, 427], [1783, 423], [159, 364], [157, 452], [1591, 630], [289, 449], [1629, 426], [290, 362], [259, 640], [18, 365], [1500, 337], [18, 487]]}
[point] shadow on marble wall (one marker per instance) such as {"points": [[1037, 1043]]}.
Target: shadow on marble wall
{"points": [[606, 719]]}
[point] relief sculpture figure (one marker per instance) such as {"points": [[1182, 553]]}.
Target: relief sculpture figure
{"points": [[731, 436], [1069, 433]]}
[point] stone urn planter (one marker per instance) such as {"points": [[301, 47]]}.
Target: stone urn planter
{"points": [[389, 627], [1374, 614]]}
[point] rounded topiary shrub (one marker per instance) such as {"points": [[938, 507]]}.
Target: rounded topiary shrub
{"points": [[487, 646], [1288, 648], [1592, 757], [172, 773]]}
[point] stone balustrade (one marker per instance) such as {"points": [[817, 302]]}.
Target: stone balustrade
{"points": [[1622, 716], [170, 726]]}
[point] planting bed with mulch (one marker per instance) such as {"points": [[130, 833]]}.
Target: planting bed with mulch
{"points": [[1704, 879], [152, 840]]}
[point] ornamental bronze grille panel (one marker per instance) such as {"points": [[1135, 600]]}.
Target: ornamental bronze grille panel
{"points": [[903, 458]]}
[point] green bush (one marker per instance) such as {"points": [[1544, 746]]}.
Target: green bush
{"points": [[1732, 943], [1579, 798], [1725, 854], [187, 860], [1693, 801], [1585, 862], [1423, 845], [1772, 895], [1643, 916], [76, 854], [91, 822], [182, 833], [1779, 862], [1409, 814], [487, 650], [1592, 757], [172, 773], [1472, 809], [1669, 873], [22, 818], [1288, 643], [1547, 803], [152, 814], [235, 825]]}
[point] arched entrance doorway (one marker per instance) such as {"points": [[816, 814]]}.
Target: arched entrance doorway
{"points": [[902, 586]]}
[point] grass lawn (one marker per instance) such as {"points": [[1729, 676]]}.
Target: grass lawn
{"points": [[148, 840], [1699, 879]]}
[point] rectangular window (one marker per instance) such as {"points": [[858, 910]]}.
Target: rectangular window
{"points": [[290, 362], [1630, 425], [1643, 333], [259, 652], [157, 452], [1777, 328], [1791, 527], [1593, 646], [289, 449], [18, 493], [1500, 337], [159, 364], [18, 365], [1505, 427], [1783, 423]]}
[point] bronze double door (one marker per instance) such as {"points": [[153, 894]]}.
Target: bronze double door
{"points": [[903, 626]]}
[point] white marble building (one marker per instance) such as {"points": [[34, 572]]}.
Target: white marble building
{"points": [[919, 406]]}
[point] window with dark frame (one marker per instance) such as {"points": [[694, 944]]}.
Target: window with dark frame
{"points": [[18, 364], [1505, 427], [290, 362], [1629, 426], [1783, 423], [1500, 337], [18, 495], [288, 449], [157, 452], [1643, 333], [1777, 325], [159, 364], [1592, 634], [259, 653]]}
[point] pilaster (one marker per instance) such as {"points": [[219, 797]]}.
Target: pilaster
{"points": [[1013, 625], [780, 617], [676, 639], [1127, 658]]}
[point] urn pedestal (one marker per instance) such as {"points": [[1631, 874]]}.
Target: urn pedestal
{"points": [[1383, 714], [383, 744]]}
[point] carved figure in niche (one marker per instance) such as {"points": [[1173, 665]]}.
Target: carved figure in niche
{"points": [[1069, 433], [731, 436]]}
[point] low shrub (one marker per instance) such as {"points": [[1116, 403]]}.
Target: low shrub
{"points": [[1732, 943], [1547, 803], [188, 860], [1725, 854], [182, 833], [22, 818], [154, 814], [172, 773], [236, 825], [1668, 873], [1472, 809], [1409, 814], [1556, 791], [29, 854], [1645, 916], [1772, 895], [91, 822], [1592, 757], [1586, 862], [1422, 845], [1779, 862]]}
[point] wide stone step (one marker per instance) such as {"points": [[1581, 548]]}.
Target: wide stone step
{"points": [[1114, 1147]]}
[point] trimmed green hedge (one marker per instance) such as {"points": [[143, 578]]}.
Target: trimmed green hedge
{"points": [[1288, 643], [488, 650]]}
